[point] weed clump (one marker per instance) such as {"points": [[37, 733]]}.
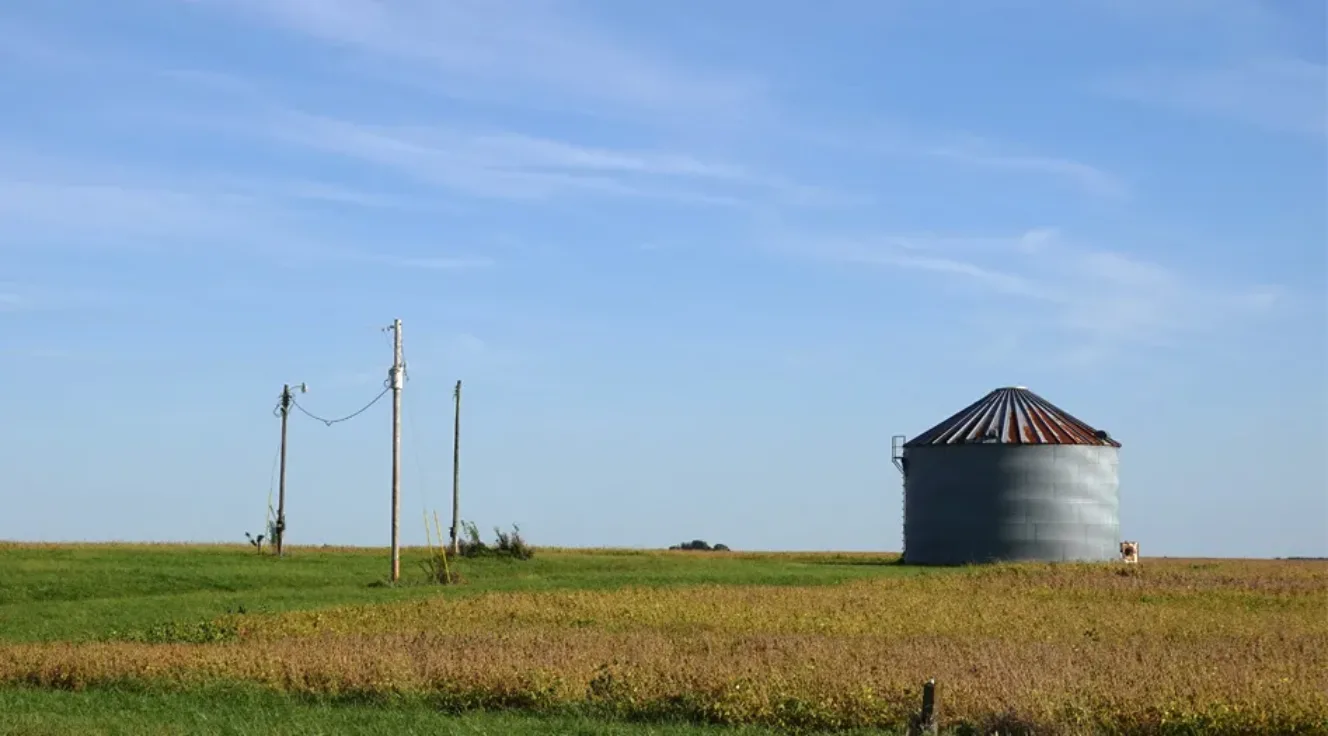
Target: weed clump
{"points": [[256, 542], [177, 632], [507, 544], [437, 566], [439, 569]]}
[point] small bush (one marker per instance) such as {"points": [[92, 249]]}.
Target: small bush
{"points": [[513, 544], [470, 544], [700, 545], [508, 544], [440, 569]]}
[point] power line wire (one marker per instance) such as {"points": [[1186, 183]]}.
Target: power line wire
{"points": [[330, 422]]}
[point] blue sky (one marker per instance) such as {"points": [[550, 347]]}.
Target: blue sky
{"points": [[695, 262]]}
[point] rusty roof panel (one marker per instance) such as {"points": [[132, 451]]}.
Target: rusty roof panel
{"points": [[1012, 416]]}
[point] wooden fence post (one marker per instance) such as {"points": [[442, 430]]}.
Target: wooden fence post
{"points": [[927, 718]]}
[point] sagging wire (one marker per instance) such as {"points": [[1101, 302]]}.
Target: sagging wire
{"points": [[329, 422], [387, 387]]}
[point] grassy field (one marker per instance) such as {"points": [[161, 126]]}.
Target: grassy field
{"points": [[33, 712], [80, 592], [199, 639]]}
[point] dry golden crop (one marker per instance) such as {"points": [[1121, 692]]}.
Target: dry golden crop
{"points": [[1209, 647]]}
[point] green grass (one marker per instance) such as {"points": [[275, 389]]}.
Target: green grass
{"points": [[80, 592], [27, 712], [752, 657]]}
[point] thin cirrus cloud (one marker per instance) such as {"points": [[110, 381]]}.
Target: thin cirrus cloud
{"points": [[506, 163], [1256, 68], [504, 50], [12, 301], [896, 140], [1098, 301], [1235, 24], [119, 215], [502, 164], [429, 263], [1086, 176], [1278, 94], [22, 297], [130, 214]]}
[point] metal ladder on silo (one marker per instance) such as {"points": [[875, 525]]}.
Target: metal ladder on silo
{"points": [[897, 457]]}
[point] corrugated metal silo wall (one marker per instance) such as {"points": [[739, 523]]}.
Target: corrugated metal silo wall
{"points": [[984, 503]]}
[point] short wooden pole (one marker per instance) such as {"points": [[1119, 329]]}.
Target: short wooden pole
{"points": [[927, 718]]}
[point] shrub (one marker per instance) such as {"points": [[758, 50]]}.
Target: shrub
{"points": [[440, 570], [508, 544], [470, 544], [513, 545], [700, 545]]}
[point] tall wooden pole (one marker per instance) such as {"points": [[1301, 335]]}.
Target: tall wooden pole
{"points": [[280, 529], [456, 472], [398, 381]]}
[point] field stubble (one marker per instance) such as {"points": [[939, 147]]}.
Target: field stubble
{"points": [[1168, 646]]}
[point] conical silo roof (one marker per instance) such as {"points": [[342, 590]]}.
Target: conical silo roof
{"points": [[1012, 416]]}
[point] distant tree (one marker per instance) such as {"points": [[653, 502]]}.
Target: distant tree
{"points": [[700, 545]]}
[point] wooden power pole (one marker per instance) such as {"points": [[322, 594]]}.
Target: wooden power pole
{"points": [[398, 382], [279, 532], [456, 472]]}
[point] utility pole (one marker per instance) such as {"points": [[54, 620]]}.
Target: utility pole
{"points": [[284, 410], [456, 472], [398, 382]]}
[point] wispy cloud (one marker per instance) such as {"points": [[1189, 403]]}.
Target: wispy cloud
{"points": [[502, 164], [967, 151], [153, 213], [427, 263], [22, 46], [1277, 94], [907, 252], [324, 193], [1090, 301], [28, 297], [1232, 24], [11, 301], [1086, 176], [1245, 60], [537, 52], [114, 215]]}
